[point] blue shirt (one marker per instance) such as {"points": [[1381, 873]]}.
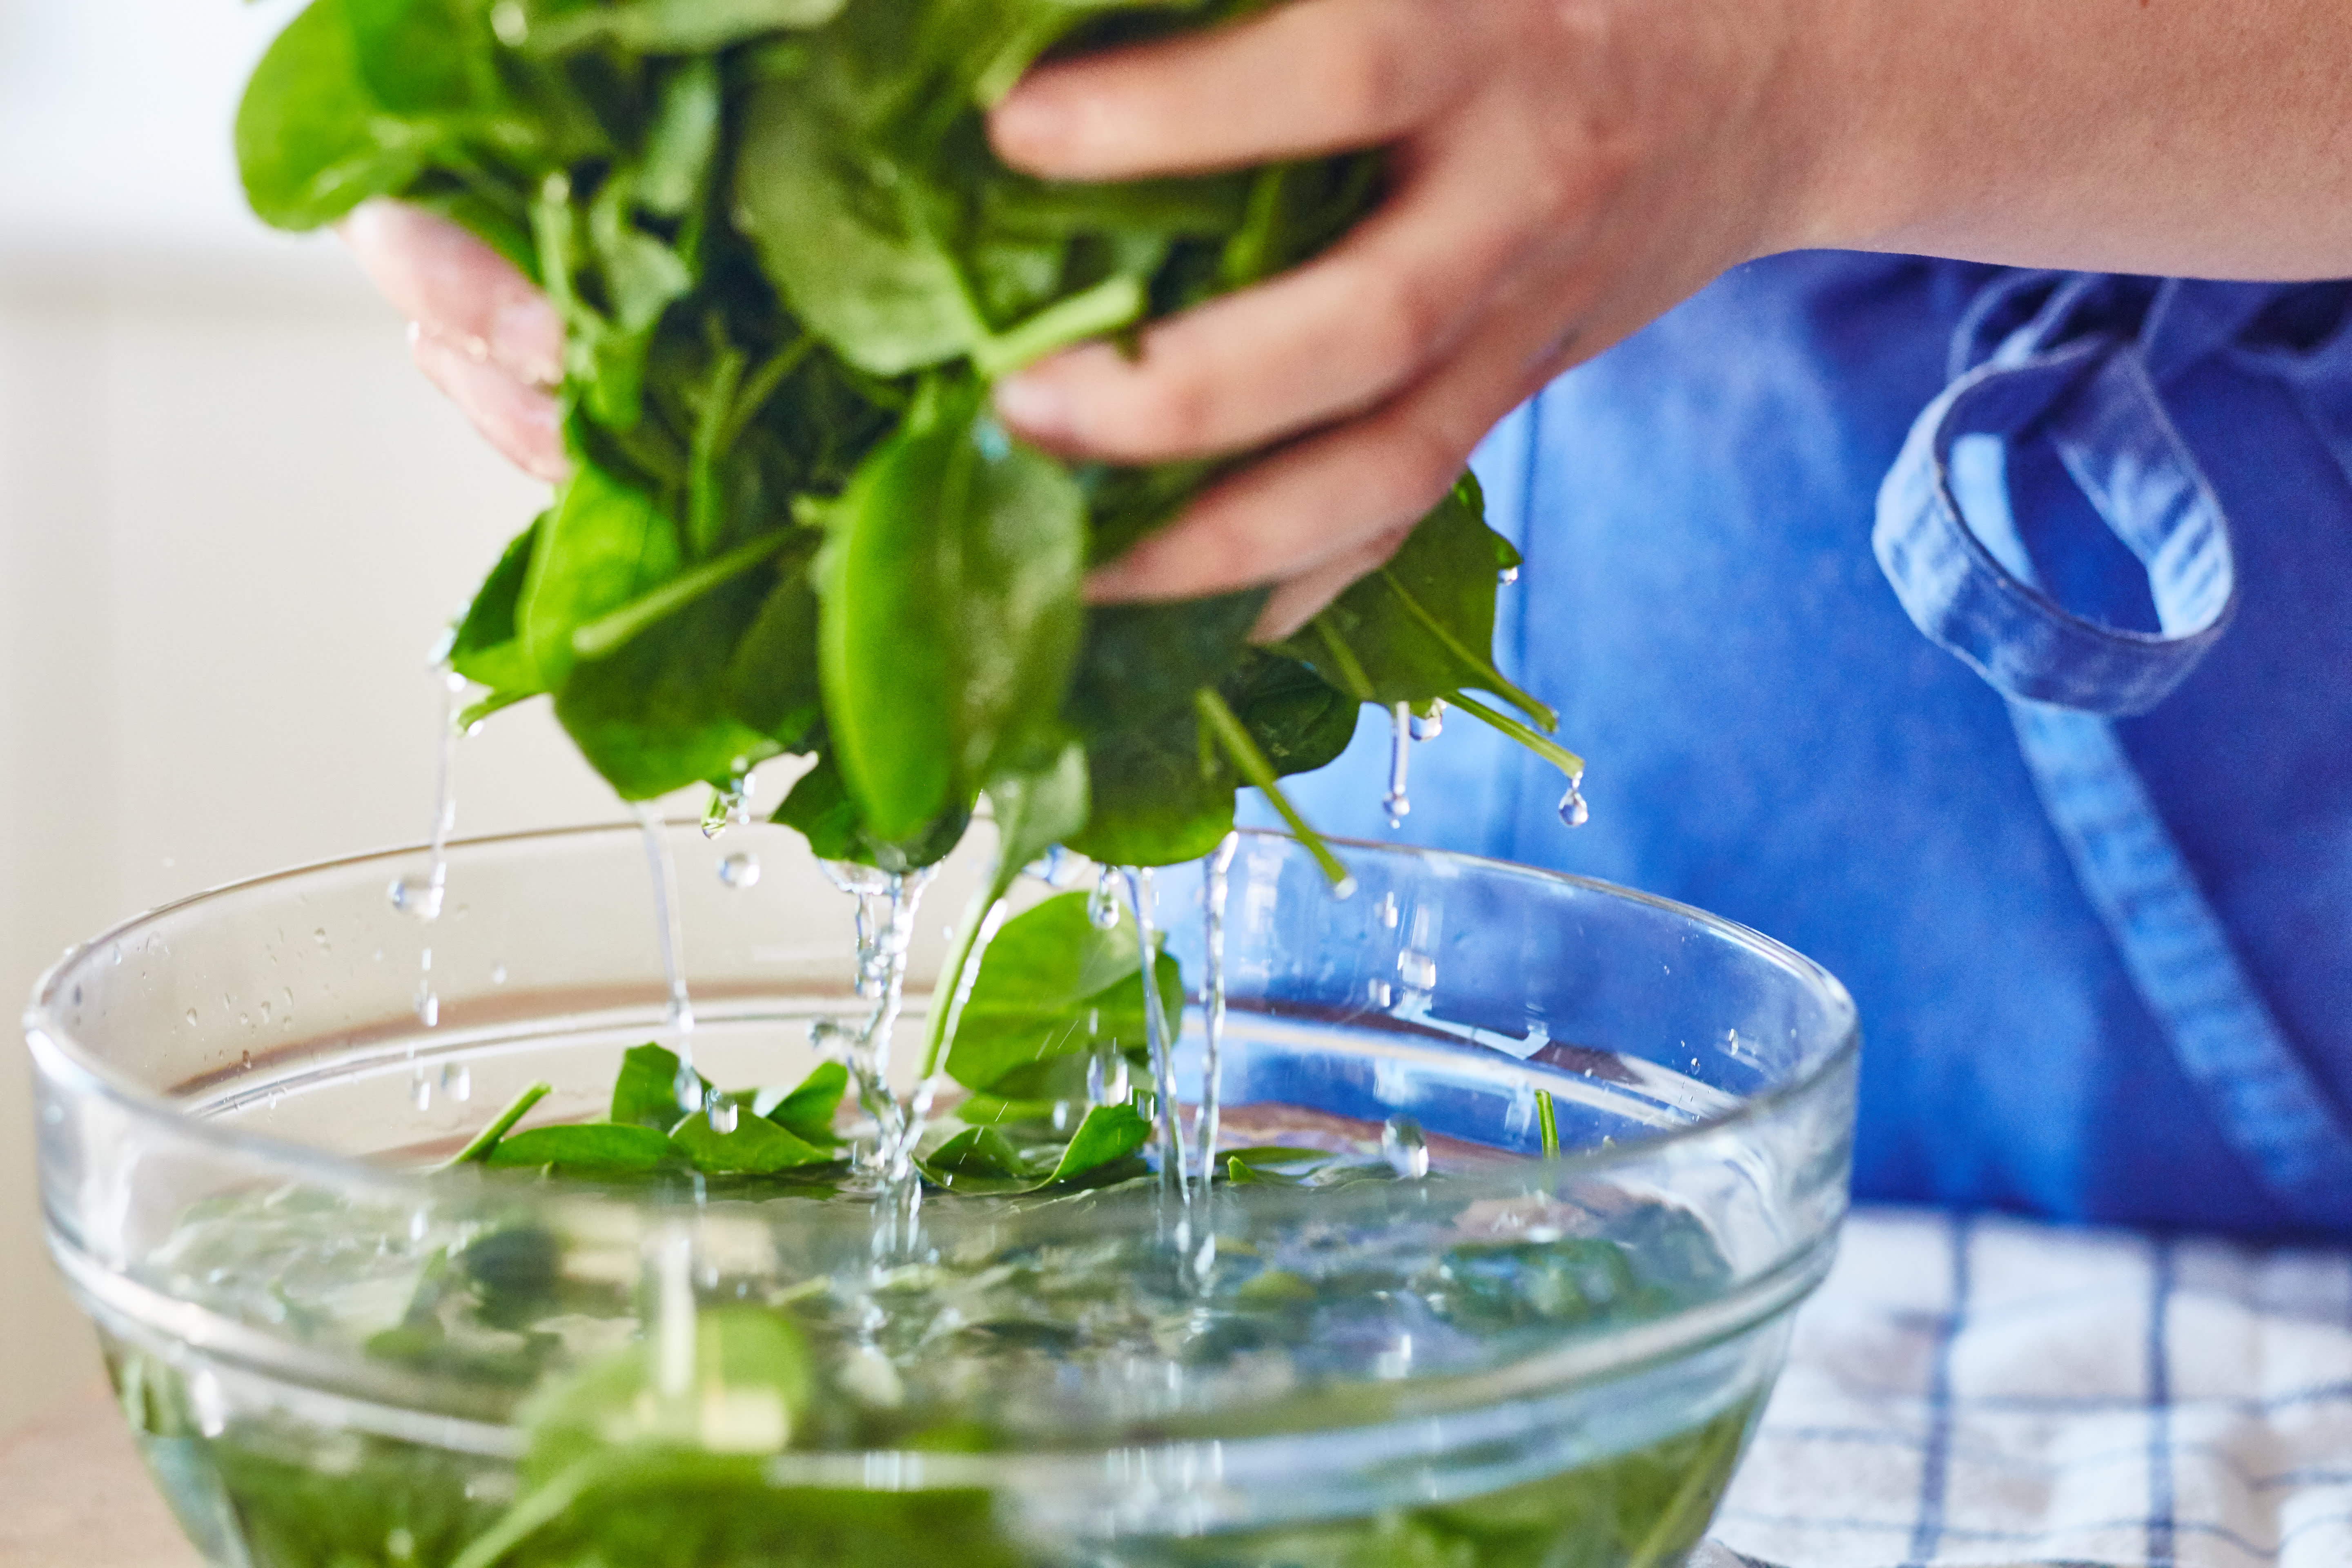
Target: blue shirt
{"points": [[2053, 1026]]}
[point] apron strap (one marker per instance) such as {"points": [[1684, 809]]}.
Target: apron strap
{"points": [[2093, 398], [1948, 543]]}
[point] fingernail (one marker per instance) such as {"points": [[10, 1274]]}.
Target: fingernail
{"points": [[1036, 408], [527, 340]]}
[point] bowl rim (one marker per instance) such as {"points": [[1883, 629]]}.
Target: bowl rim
{"points": [[1755, 1295], [51, 1042]]}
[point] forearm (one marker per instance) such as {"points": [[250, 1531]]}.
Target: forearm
{"points": [[2193, 137]]}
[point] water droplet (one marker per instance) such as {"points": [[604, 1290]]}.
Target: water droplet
{"points": [[191, 1017], [1406, 1147], [1058, 868], [320, 936], [1430, 725], [1507, 575], [265, 1009], [417, 898], [457, 1080], [863, 881], [1106, 1081], [723, 1114], [1344, 890], [421, 1091], [740, 871], [1573, 812], [511, 23], [498, 974], [1397, 803], [1388, 911], [688, 1087], [428, 1006], [1382, 993], [825, 1036], [1061, 1115], [1102, 904], [1417, 970]]}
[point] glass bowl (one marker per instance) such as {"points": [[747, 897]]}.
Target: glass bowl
{"points": [[1561, 1161]]}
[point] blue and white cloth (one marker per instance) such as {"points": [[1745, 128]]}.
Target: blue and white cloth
{"points": [[1988, 1391]]}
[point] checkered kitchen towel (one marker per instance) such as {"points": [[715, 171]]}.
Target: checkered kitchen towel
{"points": [[1985, 1391]]}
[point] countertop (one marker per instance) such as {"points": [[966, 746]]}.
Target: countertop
{"points": [[74, 1495]]}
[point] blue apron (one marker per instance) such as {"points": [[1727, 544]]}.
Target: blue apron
{"points": [[2083, 850]]}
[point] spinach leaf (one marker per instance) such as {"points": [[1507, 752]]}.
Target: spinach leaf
{"points": [[656, 716], [949, 613], [1053, 990], [487, 646], [754, 1146], [1108, 1134], [312, 140], [1420, 628], [588, 1149], [976, 1152], [646, 1093], [807, 1112], [668, 26], [604, 544]]}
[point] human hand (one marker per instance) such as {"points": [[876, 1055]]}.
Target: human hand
{"points": [[1563, 171], [477, 328]]}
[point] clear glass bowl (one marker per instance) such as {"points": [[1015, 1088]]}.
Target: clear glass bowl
{"points": [[1512, 1361]]}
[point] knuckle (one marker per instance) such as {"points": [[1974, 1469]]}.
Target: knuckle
{"points": [[1412, 315], [1423, 460]]}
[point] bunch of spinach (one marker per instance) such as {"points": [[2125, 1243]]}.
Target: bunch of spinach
{"points": [[788, 266]]}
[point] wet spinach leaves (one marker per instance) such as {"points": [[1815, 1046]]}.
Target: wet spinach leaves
{"points": [[789, 268]]}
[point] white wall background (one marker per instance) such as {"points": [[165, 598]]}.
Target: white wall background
{"points": [[232, 522]]}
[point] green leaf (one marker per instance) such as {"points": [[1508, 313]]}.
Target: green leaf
{"points": [[854, 240], [949, 617], [1143, 662], [644, 1092], [1298, 722], [1052, 989], [1036, 811], [818, 805], [1159, 797], [1422, 627], [755, 1147], [669, 26], [604, 544], [1110, 1132], [487, 648], [655, 716], [684, 138], [312, 140], [771, 686], [422, 56], [981, 1151], [808, 1112], [588, 1149], [747, 1386]]}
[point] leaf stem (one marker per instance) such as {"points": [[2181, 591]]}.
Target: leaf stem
{"points": [[606, 632], [1547, 1124], [1105, 308], [1534, 707], [1549, 750], [479, 1151], [1250, 762], [962, 970]]}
